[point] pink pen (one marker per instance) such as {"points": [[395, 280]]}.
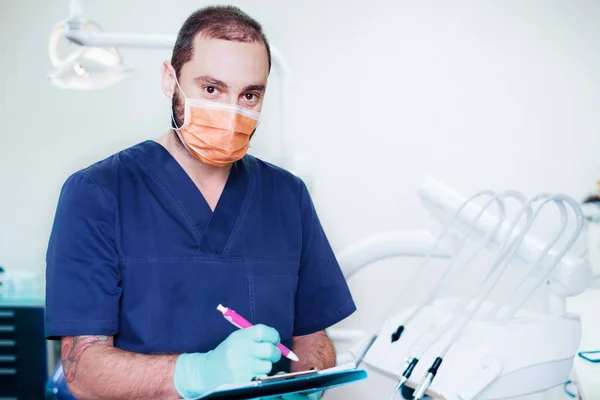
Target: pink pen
{"points": [[239, 321]]}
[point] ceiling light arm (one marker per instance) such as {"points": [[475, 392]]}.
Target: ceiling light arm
{"points": [[283, 69], [75, 9], [108, 39]]}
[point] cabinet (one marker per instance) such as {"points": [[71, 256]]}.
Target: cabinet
{"points": [[25, 356]]}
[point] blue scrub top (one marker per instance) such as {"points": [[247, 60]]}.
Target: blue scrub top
{"points": [[137, 253]]}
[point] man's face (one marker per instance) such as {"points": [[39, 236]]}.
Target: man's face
{"points": [[221, 71]]}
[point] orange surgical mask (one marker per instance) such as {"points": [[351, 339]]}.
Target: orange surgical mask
{"points": [[216, 133]]}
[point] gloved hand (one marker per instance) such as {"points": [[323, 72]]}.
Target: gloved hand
{"points": [[246, 353]]}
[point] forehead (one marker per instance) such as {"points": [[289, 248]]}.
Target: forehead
{"points": [[235, 63]]}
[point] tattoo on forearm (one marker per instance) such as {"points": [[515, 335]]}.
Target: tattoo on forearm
{"points": [[73, 348]]}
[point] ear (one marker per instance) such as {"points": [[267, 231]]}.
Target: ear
{"points": [[168, 80]]}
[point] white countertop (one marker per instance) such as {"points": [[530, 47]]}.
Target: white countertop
{"points": [[36, 299]]}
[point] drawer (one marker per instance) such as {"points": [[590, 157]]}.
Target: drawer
{"points": [[7, 328], [8, 382], [7, 315], [8, 346], [7, 331], [23, 353], [7, 324], [24, 376], [21, 336], [20, 342], [6, 359], [8, 367], [22, 320]]}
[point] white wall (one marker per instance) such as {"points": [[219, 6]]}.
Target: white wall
{"points": [[479, 94]]}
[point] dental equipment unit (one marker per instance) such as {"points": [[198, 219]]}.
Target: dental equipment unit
{"points": [[477, 346]]}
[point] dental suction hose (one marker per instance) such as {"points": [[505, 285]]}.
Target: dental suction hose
{"points": [[557, 200], [469, 314], [580, 224], [413, 361], [505, 244], [408, 370], [417, 350], [431, 373], [495, 198], [506, 252]]}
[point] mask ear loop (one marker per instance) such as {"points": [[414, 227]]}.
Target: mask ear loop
{"points": [[176, 127]]}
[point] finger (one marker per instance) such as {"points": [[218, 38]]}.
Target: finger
{"points": [[266, 351], [263, 333], [260, 367]]}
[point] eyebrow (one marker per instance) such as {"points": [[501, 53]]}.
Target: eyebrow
{"points": [[255, 88], [209, 80]]}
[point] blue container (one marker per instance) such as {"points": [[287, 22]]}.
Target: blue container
{"points": [[56, 387]]}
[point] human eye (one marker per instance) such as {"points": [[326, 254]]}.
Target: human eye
{"points": [[250, 98], [211, 91]]}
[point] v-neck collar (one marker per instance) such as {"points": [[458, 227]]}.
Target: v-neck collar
{"points": [[211, 228]]}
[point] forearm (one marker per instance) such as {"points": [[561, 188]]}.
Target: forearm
{"points": [[94, 369], [314, 350]]}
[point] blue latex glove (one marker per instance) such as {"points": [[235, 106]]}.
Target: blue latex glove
{"points": [[246, 353]]}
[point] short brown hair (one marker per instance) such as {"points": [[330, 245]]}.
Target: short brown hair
{"points": [[216, 22]]}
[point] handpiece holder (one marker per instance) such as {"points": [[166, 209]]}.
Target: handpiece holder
{"points": [[570, 277], [490, 360]]}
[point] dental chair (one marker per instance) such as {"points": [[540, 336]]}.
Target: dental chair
{"points": [[530, 352]]}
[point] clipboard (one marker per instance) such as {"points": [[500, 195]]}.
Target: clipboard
{"points": [[304, 382]]}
